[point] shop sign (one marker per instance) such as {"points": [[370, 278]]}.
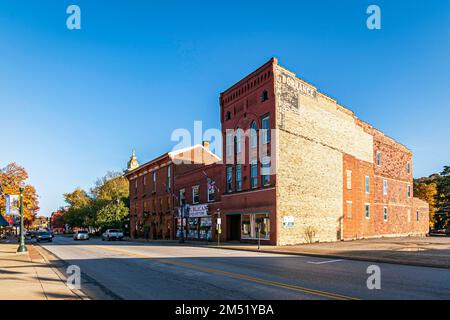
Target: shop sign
{"points": [[197, 211], [288, 222]]}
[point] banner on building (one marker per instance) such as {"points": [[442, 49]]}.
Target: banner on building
{"points": [[12, 205]]}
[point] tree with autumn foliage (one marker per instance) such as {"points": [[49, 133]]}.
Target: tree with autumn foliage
{"points": [[427, 192], [10, 178], [435, 190]]}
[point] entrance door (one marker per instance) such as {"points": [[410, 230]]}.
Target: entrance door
{"points": [[234, 227]]}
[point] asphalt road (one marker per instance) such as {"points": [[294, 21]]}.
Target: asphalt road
{"points": [[149, 271]]}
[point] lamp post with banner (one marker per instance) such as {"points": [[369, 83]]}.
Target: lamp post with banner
{"points": [[22, 247]]}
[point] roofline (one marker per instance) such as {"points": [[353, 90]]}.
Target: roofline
{"points": [[171, 154], [273, 61]]}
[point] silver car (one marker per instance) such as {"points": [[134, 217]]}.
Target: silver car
{"points": [[81, 235]]}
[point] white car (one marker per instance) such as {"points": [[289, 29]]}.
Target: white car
{"points": [[81, 235], [112, 234]]}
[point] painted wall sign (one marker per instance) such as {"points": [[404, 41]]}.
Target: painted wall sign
{"points": [[288, 222]]}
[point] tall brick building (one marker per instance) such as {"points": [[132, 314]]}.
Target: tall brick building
{"points": [[304, 168]]}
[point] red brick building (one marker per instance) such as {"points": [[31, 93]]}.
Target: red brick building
{"points": [[153, 199], [298, 167]]}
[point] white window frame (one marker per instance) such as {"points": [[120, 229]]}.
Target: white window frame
{"points": [[349, 179], [367, 205], [367, 184], [385, 187], [378, 158], [265, 131], [253, 135], [197, 188], [229, 144]]}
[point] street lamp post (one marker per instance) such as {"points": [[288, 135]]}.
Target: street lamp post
{"points": [[22, 247]]}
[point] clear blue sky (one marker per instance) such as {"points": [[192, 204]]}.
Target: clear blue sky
{"points": [[74, 103]]}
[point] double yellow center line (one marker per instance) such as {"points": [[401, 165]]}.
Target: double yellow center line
{"points": [[233, 275]]}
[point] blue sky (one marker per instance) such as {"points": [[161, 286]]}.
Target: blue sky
{"points": [[74, 103]]}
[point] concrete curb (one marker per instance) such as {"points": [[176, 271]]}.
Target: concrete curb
{"points": [[80, 294], [89, 279]]}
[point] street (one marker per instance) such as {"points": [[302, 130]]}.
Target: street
{"points": [[153, 271]]}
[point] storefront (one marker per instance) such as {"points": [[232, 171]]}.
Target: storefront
{"points": [[248, 226], [198, 226]]}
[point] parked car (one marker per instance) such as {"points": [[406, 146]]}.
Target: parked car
{"points": [[44, 236], [81, 235], [112, 234]]}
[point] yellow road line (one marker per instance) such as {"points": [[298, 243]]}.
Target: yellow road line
{"points": [[234, 275]]}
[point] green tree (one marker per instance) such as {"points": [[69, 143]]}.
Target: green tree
{"points": [[112, 215]]}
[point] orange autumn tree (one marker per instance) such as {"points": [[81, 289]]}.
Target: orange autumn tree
{"points": [[10, 178]]}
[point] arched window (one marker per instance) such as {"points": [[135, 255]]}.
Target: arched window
{"points": [[253, 135]]}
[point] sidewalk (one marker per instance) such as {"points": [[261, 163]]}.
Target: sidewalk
{"points": [[415, 251], [30, 276]]}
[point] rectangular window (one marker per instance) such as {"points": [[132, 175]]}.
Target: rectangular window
{"points": [[168, 179], [349, 209], [238, 141], [367, 211], [408, 191], [211, 189], [238, 177], [195, 195], [385, 187], [265, 130], [135, 187], [254, 175], [367, 184], [229, 144], [417, 215], [154, 181], [408, 167], [229, 178], [385, 214], [265, 171], [349, 179], [254, 226], [182, 196], [378, 158]]}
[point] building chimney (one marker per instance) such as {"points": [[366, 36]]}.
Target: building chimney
{"points": [[205, 144]]}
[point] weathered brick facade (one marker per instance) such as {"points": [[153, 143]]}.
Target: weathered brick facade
{"points": [[331, 176], [316, 145]]}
